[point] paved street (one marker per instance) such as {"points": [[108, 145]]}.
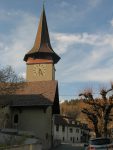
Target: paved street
{"points": [[68, 147]]}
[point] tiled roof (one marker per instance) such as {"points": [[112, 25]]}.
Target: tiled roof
{"points": [[68, 121], [63, 120], [32, 93], [44, 88], [59, 120], [24, 100]]}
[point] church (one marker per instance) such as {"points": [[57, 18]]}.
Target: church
{"points": [[32, 106]]}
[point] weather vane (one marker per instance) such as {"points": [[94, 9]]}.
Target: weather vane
{"points": [[44, 2]]}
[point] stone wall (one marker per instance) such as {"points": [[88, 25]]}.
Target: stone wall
{"points": [[38, 121], [24, 147]]}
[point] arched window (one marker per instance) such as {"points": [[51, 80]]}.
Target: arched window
{"points": [[16, 118]]}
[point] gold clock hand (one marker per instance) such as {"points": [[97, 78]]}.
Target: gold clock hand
{"points": [[40, 72]]}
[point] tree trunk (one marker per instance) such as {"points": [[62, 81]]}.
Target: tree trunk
{"points": [[98, 134], [105, 129]]}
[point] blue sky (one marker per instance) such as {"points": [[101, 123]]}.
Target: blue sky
{"points": [[81, 32]]}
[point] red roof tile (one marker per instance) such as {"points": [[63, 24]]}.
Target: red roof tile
{"points": [[44, 88], [24, 100]]}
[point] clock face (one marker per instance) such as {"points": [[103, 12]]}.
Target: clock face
{"points": [[39, 70]]}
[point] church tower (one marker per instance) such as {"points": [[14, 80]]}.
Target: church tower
{"points": [[41, 59]]}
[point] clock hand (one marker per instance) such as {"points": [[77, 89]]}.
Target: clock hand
{"points": [[40, 72]]}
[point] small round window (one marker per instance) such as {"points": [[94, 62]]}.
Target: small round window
{"points": [[16, 118]]}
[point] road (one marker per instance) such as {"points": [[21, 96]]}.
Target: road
{"points": [[68, 147]]}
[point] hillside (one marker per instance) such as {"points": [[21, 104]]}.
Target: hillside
{"points": [[73, 109]]}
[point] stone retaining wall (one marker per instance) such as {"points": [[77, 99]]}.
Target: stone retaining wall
{"points": [[24, 147]]}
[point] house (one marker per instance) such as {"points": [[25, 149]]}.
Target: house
{"points": [[31, 107], [68, 130]]}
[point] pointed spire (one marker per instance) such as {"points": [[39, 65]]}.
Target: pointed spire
{"points": [[42, 36], [42, 43], [44, 3]]}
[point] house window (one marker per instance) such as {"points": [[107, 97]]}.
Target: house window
{"points": [[71, 138], [47, 136], [71, 130], [77, 130], [63, 128], [63, 138], [57, 127], [16, 119]]}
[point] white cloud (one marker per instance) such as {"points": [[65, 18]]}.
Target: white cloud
{"points": [[64, 4], [94, 3], [95, 64], [8, 15], [77, 64], [65, 40], [14, 46]]}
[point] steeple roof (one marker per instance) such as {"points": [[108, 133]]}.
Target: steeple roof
{"points": [[42, 46]]}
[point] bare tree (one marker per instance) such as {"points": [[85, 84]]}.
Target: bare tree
{"points": [[98, 110], [9, 81]]}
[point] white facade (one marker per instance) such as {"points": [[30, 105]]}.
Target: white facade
{"points": [[70, 132]]}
